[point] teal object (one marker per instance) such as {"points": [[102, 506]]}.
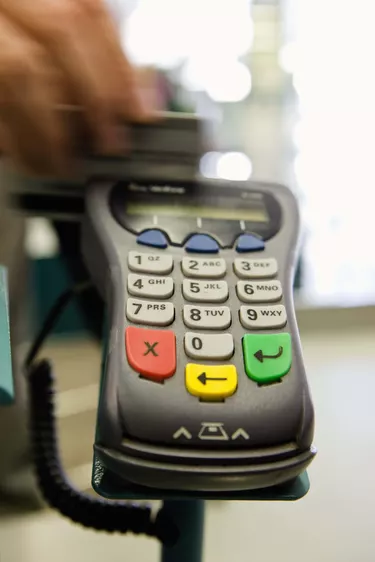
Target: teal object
{"points": [[6, 372], [49, 279], [189, 518]]}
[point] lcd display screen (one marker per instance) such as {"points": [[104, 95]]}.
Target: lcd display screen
{"points": [[254, 213]]}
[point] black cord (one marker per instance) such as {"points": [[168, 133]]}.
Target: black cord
{"points": [[53, 317], [59, 493], [91, 304], [94, 513]]}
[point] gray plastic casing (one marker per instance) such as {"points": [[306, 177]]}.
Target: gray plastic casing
{"points": [[138, 418]]}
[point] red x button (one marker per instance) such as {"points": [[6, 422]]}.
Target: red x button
{"points": [[152, 353]]}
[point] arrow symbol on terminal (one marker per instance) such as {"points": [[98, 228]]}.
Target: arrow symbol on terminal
{"points": [[261, 356], [240, 433], [203, 378], [182, 432]]}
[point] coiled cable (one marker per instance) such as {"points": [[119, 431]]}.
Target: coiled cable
{"points": [[95, 513]]}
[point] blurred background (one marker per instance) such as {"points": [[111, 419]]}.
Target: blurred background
{"points": [[287, 88]]}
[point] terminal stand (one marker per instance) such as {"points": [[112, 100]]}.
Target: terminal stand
{"points": [[187, 510]]}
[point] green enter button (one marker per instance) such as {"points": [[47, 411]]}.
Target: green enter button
{"points": [[267, 357]]}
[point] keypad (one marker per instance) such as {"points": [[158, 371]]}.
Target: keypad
{"points": [[255, 269], [207, 318], [150, 263], [205, 291], [209, 346], [261, 317], [151, 353], [259, 291], [151, 313], [153, 287], [211, 382], [268, 357], [204, 268]]}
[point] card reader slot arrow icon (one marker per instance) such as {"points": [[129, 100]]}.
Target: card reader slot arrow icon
{"points": [[182, 432], [261, 356], [240, 433]]}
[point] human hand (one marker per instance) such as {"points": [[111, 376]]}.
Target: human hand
{"points": [[58, 55]]}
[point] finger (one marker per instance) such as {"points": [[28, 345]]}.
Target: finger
{"points": [[149, 91], [57, 23], [32, 132], [3, 141], [83, 38]]}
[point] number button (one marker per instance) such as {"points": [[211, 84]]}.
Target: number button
{"points": [[261, 317], [255, 269], [151, 313], [204, 267], [144, 286], [150, 263], [263, 291], [209, 318], [205, 291], [209, 346]]}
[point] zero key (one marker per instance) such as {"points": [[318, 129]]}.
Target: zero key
{"points": [[151, 353]]}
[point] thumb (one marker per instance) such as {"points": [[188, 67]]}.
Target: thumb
{"points": [[148, 89]]}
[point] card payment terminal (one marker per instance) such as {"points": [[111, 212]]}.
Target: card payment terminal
{"points": [[204, 384]]}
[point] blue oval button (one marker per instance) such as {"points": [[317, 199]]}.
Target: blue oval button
{"points": [[249, 243], [155, 238], [203, 244]]}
